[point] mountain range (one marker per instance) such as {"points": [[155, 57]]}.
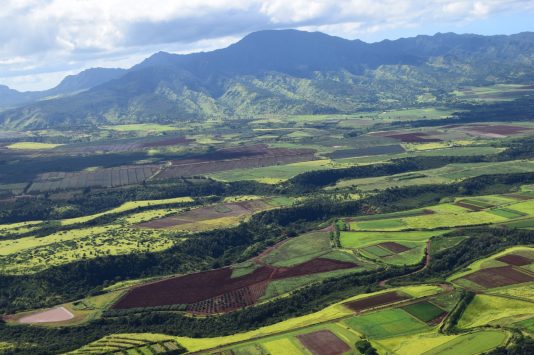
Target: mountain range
{"points": [[276, 72]]}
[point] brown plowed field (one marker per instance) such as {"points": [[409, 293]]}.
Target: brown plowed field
{"points": [[375, 301], [216, 291], [235, 158], [191, 288], [514, 259], [323, 342], [413, 137], [394, 247], [498, 276], [234, 209], [496, 129]]}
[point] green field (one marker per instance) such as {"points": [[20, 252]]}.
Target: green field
{"points": [[486, 309], [472, 343], [424, 311], [355, 240], [299, 249], [386, 323], [33, 146]]}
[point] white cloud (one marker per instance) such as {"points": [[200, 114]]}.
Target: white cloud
{"points": [[51, 36]]}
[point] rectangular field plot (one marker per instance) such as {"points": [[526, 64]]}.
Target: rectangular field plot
{"points": [[424, 311], [394, 247], [323, 342], [514, 259], [507, 213], [386, 323], [362, 239], [376, 250], [473, 343], [279, 346], [498, 276], [375, 301]]}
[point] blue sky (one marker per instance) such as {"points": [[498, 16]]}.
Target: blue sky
{"points": [[42, 41]]}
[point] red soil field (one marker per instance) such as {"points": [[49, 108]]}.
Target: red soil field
{"points": [[374, 301], [394, 247], [498, 276], [514, 259], [323, 342], [413, 137], [191, 288], [216, 291], [496, 129], [468, 206]]}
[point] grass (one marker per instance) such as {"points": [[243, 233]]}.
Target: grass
{"points": [[273, 174], [472, 343], [281, 346], [486, 309], [377, 251], [441, 243], [424, 311], [243, 269], [386, 323], [412, 344], [127, 206], [441, 219], [33, 146], [507, 213], [356, 240], [299, 249]]}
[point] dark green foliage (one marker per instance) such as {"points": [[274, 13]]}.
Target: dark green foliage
{"points": [[365, 347], [519, 345]]}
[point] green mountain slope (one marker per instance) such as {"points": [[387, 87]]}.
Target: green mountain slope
{"points": [[288, 72]]}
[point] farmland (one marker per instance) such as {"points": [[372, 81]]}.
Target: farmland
{"points": [[406, 230]]}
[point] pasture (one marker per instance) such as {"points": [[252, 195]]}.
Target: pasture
{"points": [[386, 323]]}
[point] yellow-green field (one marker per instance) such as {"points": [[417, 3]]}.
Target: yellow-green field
{"points": [[33, 146]]}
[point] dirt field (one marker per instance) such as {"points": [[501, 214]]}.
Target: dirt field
{"points": [[468, 206], [216, 291], [514, 259], [413, 137], [235, 158], [58, 314], [503, 130], [374, 301], [323, 342], [234, 209], [108, 177], [498, 276], [394, 247]]}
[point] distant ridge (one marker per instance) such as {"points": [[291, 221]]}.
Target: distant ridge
{"points": [[282, 72]]}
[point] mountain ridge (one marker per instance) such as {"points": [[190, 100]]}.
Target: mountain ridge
{"points": [[288, 72]]}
